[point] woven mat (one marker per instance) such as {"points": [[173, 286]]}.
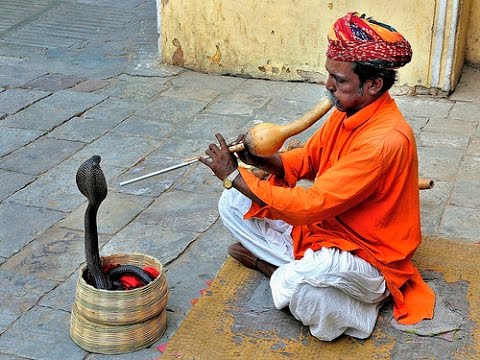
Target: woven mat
{"points": [[236, 319]]}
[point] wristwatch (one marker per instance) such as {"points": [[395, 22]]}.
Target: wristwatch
{"points": [[228, 181]]}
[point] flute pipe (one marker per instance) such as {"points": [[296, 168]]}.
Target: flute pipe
{"points": [[155, 173], [234, 148], [186, 162], [425, 184]]}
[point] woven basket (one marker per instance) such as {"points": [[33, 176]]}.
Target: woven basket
{"points": [[114, 322]]}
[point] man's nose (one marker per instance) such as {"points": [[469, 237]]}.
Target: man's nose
{"points": [[330, 83]]}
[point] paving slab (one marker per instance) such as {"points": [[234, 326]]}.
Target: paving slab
{"points": [[12, 139], [181, 210], [53, 82], [21, 295], [54, 110], [54, 255], [237, 104], [39, 156], [171, 109], [115, 212], [145, 128], [197, 80], [433, 203], [109, 146], [43, 334], [163, 243], [135, 88], [460, 223], [20, 225], [62, 296], [57, 189], [11, 182], [17, 74], [14, 100], [439, 163]]}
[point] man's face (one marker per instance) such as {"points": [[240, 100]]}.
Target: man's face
{"points": [[344, 88]]}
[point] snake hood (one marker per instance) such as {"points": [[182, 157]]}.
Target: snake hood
{"points": [[91, 180]]}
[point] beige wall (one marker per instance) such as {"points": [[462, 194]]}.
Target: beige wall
{"points": [[286, 39], [472, 54]]}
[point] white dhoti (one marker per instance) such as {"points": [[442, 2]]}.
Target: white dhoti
{"points": [[333, 292]]}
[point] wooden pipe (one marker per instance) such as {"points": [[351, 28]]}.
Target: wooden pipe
{"points": [[425, 184], [266, 139]]}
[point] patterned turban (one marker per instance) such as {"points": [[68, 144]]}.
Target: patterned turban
{"points": [[359, 39]]}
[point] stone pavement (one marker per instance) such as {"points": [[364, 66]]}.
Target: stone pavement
{"points": [[81, 77]]}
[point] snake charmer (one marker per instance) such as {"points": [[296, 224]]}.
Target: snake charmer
{"points": [[336, 250]]}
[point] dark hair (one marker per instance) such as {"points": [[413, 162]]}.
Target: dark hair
{"points": [[368, 72]]}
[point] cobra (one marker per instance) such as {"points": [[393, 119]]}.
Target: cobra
{"points": [[92, 184]]}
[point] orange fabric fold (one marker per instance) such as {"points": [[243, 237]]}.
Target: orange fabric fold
{"points": [[364, 198]]}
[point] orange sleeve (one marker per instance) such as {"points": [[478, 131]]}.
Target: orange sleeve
{"points": [[352, 179]]}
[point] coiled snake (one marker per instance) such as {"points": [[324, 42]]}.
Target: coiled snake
{"points": [[92, 184]]}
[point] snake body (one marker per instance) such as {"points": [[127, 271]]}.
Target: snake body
{"points": [[92, 184]]}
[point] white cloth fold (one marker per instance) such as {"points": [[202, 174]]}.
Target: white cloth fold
{"points": [[331, 291]]}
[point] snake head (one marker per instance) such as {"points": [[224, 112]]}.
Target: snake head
{"points": [[91, 180]]}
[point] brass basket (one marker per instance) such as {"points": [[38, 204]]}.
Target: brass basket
{"points": [[114, 322]]}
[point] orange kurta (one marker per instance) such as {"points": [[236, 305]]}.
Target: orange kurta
{"points": [[364, 198]]}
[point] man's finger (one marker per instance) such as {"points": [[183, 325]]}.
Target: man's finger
{"points": [[221, 140], [238, 140]]}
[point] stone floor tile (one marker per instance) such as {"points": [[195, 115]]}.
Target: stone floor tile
{"points": [[182, 210], [474, 147], [43, 334], [237, 105], [14, 100], [204, 126], [17, 74], [53, 82], [451, 125], [54, 255], [439, 163], [54, 110], [447, 140], [424, 106], [110, 146], [183, 92], [171, 109], [467, 184], [162, 243], [11, 138], [144, 128], [134, 88], [19, 293], [40, 155], [63, 296], [460, 223], [432, 203], [197, 80], [19, 224], [115, 212], [11, 182]]}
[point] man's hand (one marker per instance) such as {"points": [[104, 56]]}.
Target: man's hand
{"points": [[222, 162]]}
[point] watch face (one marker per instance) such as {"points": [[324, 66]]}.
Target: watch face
{"points": [[227, 183]]}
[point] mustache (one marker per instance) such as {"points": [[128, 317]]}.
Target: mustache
{"points": [[333, 99]]}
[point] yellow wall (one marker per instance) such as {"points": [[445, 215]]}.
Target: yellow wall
{"points": [[286, 39], [472, 54]]}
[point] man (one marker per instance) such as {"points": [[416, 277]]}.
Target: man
{"points": [[344, 244]]}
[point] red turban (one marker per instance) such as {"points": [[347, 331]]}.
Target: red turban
{"points": [[359, 39]]}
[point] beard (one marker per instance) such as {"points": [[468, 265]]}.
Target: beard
{"points": [[334, 100]]}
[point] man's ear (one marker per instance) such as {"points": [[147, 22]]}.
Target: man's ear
{"points": [[376, 86]]}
